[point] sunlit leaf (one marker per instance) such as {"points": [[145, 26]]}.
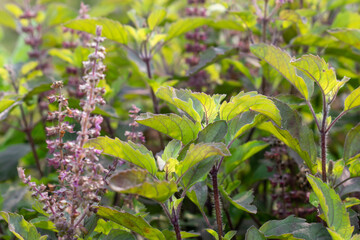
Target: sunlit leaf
{"points": [[170, 95], [156, 17], [348, 36], [134, 223], [128, 151], [112, 30], [210, 104], [200, 152], [21, 228], [63, 54], [184, 25], [250, 101], [241, 201], [319, 71], [353, 100], [180, 128], [135, 181], [335, 214], [280, 60]]}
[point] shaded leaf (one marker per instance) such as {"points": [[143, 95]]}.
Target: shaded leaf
{"points": [[214, 132], [254, 234], [9, 159], [171, 150], [294, 227], [21, 228], [180, 128], [211, 56], [351, 146], [134, 223], [128, 151], [198, 194], [111, 29], [280, 60], [241, 201], [135, 181], [335, 214], [242, 153], [170, 235]]}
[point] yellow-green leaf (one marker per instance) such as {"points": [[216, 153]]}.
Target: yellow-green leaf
{"points": [[320, 72], [112, 30], [353, 100], [185, 25], [156, 17], [280, 60], [335, 214], [63, 54], [128, 151], [210, 104], [180, 128], [135, 181], [200, 152], [250, 101]]}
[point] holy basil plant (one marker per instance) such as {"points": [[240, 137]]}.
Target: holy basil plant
{"points": [[328, 191], [201, 136]]}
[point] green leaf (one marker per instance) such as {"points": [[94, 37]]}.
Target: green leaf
{"points": [[200, 152], [242, 153], [105, 227], [351, 201], [210, 104], [21, 228], [280, 60], [241, 201], [128, 151], [175, 97], [58, 14], [243, 122], [64, 54], [185, 25], [348, 36], [353, 100], [5, 103], [199, 172], [170, 235], [213, 233], [351, 146], [156, 17], [171, 150], [7, 20], [209, 57], [111, 29], [214, 132], [295, 135], [335, 214], [254, 234], [231, 24], [180, 128], [319, 71], [294, 228], [9, 159], [44, 223], [229, 235], [119, 234], [250, 101], [135, 181], [134, 223], [198, 194]]}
